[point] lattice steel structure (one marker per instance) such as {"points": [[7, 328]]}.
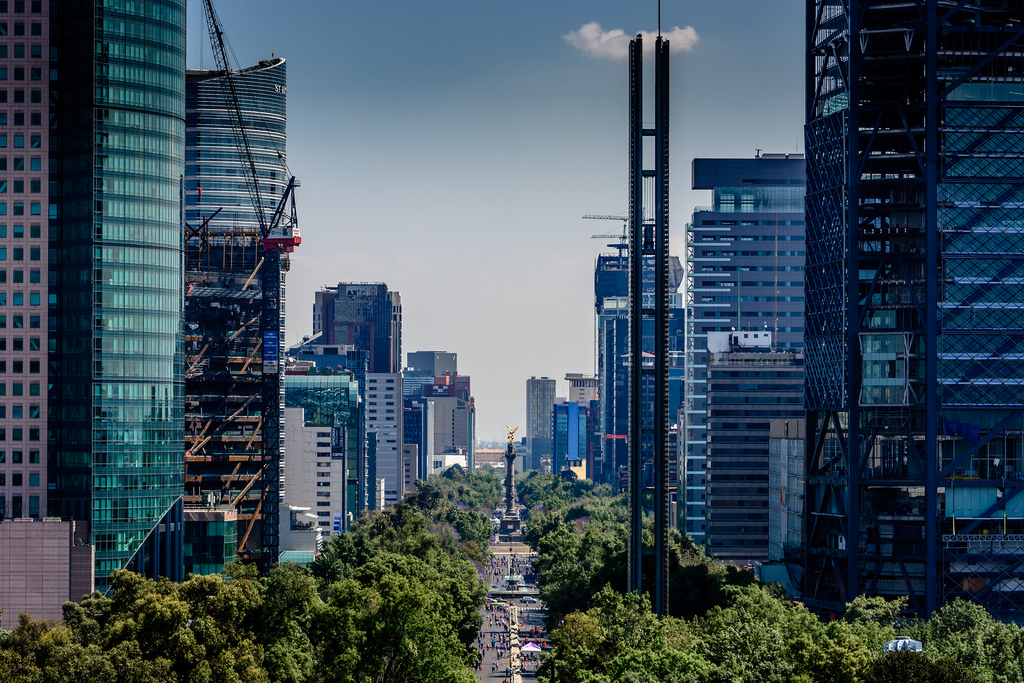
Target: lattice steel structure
{"points": [[648, 379], [915, 302]]}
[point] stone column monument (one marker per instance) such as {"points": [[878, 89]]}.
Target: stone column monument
{"points": [[510, 520]]}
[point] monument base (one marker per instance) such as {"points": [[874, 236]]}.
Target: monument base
{"points": [[510, 524]]}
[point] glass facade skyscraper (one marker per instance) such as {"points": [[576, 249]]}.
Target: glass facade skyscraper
{"points": [[746, 272], [114, 223], [915, 303], [214, 175]]}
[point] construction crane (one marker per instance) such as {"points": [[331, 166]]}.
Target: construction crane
{"points": [[623, 236], [278, 234]]}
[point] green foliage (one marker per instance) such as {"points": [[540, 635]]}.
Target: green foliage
{"points": [[904, 666], [395, 599]]}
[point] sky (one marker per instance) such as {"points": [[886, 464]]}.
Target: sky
{"points": [[450, 148]]}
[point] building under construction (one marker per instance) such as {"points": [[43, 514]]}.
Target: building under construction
{"points": [[232, 378], [915, 303]]}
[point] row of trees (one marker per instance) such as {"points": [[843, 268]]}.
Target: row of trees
{"points": [[727, 627], [396, 599]]}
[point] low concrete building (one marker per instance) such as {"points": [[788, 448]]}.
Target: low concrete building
{"points": [[43, 564]]}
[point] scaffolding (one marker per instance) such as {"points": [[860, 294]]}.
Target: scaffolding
{"points": [[227, 457]]}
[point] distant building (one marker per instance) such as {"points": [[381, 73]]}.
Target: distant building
{"points": [[365, 315], [540, 398], [786, 495], [439, 409], [301, 534], [325, 467], [431, 363], [384, 413], [746, 271], [211, 538], [569, 444], [45, 564], [749, 385], [582, 388]]}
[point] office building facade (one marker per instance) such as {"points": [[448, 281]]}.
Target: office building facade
{"points": [[569, 438], [365, 315], [746, 261], [540, 400], [226, 448], [914, 304], [114, 160], [748, 386], [323, 437], [384, 419]]}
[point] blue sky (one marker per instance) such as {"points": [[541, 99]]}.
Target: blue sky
{"points": [[449, 148]]}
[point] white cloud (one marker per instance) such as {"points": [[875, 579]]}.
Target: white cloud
{"points": [[594, 41]]}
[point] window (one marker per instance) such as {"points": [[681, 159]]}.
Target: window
{"points": [[36, 96], [37, 51], [19, 299], [19, 208], [33, 456], [34, 232], [17, 389], [36, 118], [35, 73], [36, 164], [33, 343], [17, 434], [36, 140], [33, 299], [19, 96], [16, 479], [33, 252], [33, 506], [19, 186], [33, 412], [16, 457], [33, 479], [33, 367], [18, 252], [33, 389], [19, 140], [3, 456], [19, 73], [33, 322], [37, 28], [19, 163], [18, 344], [33, 434], [18, 367]]}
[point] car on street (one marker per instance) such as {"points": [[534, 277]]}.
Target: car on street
{"points": [[529, 599]]}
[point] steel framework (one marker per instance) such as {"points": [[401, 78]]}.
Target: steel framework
{"points": [[915, 301], [648, 377]]}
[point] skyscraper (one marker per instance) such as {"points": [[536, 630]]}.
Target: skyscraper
{"points": [[540, 399], [749, 385], [746, 256], [227, 453], [915, 303], [114, 161], [366, 315]]}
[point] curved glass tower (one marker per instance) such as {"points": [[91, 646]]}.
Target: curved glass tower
{"points": [[214, 174], [117, 110]]}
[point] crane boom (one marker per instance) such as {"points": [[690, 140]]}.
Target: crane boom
{"points": [[273, 240], [237, 126]]}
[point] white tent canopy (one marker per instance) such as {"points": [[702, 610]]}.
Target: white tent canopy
{"points": [[903, 643]]}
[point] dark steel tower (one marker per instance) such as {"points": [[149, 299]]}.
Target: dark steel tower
{"points": [[915, 302], [649, 325]]}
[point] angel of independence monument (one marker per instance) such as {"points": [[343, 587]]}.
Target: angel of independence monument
{"points": [[510, 522]]}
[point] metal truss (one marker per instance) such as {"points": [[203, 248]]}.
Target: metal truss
{"points": [[649, 367], [915, 300]]}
